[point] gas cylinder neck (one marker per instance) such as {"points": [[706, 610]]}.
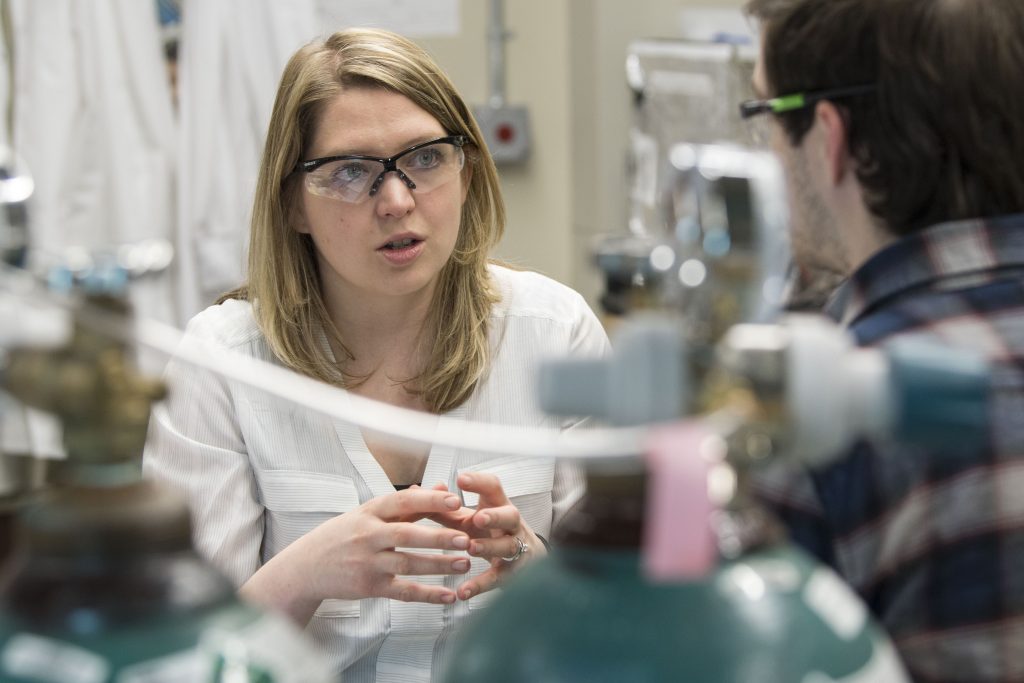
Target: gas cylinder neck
{"points": [[610, 515]]}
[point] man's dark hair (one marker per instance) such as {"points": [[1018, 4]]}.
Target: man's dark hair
{"points": [[942, 137]]}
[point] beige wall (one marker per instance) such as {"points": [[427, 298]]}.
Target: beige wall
{"points": [[538, 235], [565, 63]]}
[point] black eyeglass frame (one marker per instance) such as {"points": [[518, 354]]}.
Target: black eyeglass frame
{"points": [[801, 100], [390, 163]]}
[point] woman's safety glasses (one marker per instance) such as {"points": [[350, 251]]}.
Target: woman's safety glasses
{"points": [[354, 178]]}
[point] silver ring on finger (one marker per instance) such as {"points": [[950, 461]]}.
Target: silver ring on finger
{"points": [[521, 549]]}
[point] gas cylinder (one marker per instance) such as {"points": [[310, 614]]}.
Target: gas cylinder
{"points": [[104, 586], [668, 569], [589, 612]]}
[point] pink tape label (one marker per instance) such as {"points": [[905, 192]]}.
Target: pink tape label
{"points": [[678, 542]]}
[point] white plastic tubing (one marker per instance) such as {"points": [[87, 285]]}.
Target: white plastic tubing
{"points": [[399, 424]]}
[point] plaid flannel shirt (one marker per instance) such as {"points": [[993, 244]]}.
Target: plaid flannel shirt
{"points": [[933, 542]]}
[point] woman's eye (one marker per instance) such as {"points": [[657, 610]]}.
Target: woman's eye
{"points": [[348, 173], [426, 158]]}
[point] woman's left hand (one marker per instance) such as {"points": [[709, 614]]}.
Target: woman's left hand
{"points": [[493, 528]]}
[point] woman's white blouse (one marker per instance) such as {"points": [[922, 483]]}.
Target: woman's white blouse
{"points": [[259, 473]]}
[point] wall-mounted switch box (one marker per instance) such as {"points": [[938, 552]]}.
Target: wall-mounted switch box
{"points": [[506, 130]]}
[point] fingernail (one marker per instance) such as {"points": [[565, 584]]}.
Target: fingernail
{"points": [[466, 478], [452, 502], [467, 594], [460, 542], [485, 518], [474, 548], [460, 565], [448, 598]]}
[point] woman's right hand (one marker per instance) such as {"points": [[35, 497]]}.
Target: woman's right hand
{"points": [[356, 555]]}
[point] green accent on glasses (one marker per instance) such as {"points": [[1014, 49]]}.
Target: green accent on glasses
{"points": [[797, 101]]}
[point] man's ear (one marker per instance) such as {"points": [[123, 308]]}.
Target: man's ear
{"points": [[834, 140]]}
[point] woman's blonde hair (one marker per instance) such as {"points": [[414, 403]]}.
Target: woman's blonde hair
{"points": [[284, 283]]}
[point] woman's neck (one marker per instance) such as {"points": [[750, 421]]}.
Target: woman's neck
{"points": [[381, 332]]}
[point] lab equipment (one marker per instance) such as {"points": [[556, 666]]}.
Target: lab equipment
{"points": [[101, 582], [682, 91], [674, 573], [668, 569]]}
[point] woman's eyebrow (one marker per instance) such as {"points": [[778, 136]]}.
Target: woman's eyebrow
{"points": [[361, 151]]}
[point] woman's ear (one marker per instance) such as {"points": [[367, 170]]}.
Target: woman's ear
{"points": [[295, 209]]}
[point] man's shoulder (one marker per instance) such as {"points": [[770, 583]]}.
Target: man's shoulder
{"points": [[986, 314], [958, 269]]}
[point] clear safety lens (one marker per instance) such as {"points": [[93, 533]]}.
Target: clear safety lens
{"points": [[355, 179]]}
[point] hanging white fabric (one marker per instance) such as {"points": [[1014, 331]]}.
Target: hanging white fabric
{"points": [[93, 120], [231, 57]]}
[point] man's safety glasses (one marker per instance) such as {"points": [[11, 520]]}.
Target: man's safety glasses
{"points": [[354, 178], [796, 101]]}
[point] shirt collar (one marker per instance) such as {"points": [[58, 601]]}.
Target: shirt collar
{"points": [[946, 251]]}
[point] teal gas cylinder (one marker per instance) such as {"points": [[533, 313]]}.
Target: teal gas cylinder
{"points": [[588, 612], [589, 615], [104, 586]]}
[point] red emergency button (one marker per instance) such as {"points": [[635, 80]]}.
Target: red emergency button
{"points": [[505, 133]]}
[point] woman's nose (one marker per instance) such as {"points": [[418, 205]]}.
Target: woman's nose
{"points": [[394, 197]]}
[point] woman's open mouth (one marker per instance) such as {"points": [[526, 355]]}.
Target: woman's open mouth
{"points": [[401, 251]]}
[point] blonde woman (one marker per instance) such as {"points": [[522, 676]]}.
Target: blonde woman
{"points": [[376, 208]]}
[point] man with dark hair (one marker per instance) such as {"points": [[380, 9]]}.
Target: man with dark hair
{"points": [[900, 124]]}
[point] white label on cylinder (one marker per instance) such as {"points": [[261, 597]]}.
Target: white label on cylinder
{"points": [[835, 603]]}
